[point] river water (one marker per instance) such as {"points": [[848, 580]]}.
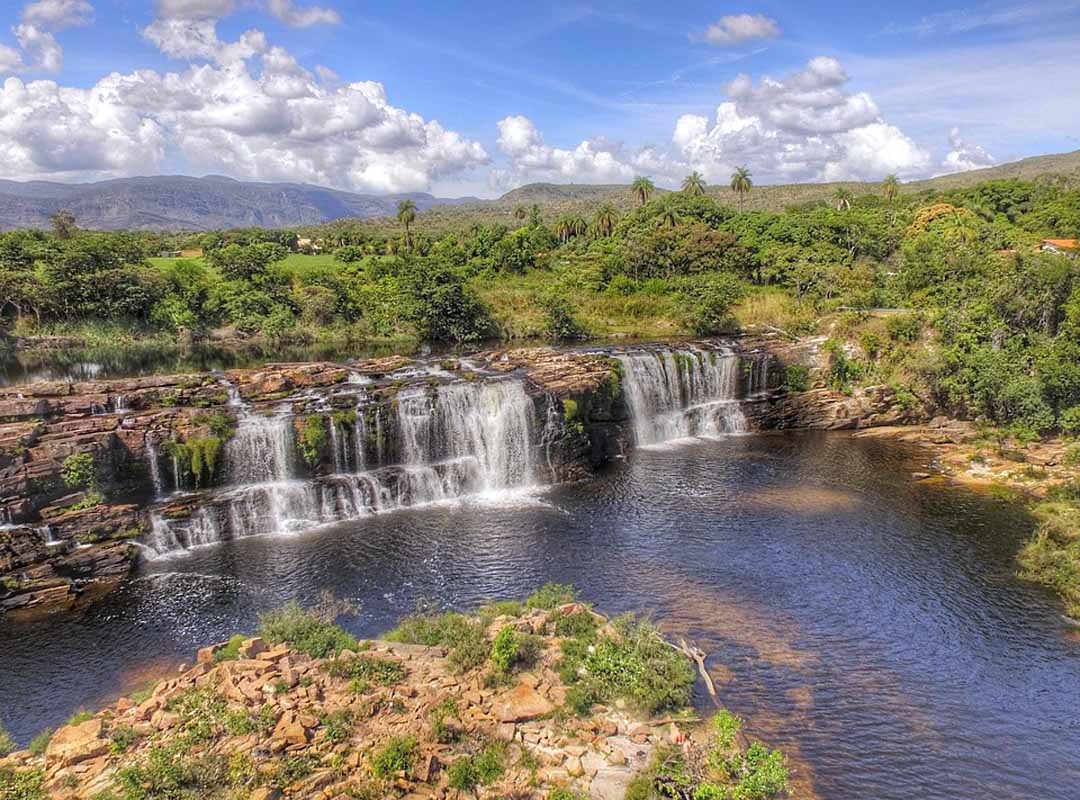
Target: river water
{"points": [[868, 624]]}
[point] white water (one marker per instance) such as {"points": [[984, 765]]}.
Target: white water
{"points": [[154, 464], [680, 394], [458, 440]]}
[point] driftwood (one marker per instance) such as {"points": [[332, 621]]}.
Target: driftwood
{"points": [[698, 657]]}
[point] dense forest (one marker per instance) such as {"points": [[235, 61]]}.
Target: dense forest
{"points": [[985, 324]]}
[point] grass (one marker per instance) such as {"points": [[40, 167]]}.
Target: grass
{"points": [[1052, 556], [381, 671], [462, 636], [397, 755], [7, 743], [635, 666], [40, 742], [231, 651], [22, 784], [305, 632], [552, 595], [480, 769]]}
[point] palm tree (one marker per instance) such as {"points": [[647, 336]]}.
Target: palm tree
{"points": [[669, 217], [694, 184], [406, 215], [890, 187], [63, 223], [842, 196], [520, 213], [741, 183], [643, 188], [605, 220]]}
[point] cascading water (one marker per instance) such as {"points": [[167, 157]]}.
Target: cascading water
{"points": [[456, 440], [154, 465], [679, 394]]}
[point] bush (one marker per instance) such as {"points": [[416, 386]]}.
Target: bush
{"points": [[40, 742], [903, 328], [462, 636], [481, 769], [709, 299], [231, 651], [79, 471], [636, 666], [396, 756], [796, 378], [381, 671], [1069, 421], [552, 595], [26, 784], [305, 632], [338, 725], [311, 439], [559, 322], [7, 744]]}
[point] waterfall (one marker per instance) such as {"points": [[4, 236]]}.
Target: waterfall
{"points": [[678, 394], [456, 440], [154, 464], [259, 451]]}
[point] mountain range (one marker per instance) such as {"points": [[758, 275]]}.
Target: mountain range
{"points": [[171, 202]]}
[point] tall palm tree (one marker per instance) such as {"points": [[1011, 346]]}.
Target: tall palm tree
{"points": [[842, 196], [643, 188], [741, 183], [406, 215], [890, 187], [605, 220], [694, 184], [669, 217]]}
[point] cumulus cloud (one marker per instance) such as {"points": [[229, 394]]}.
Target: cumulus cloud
{"points": [[58, 14], [806, 126], [267, 119], [737, 28], [34, 34], [194, 9], [288, 12], [596, 160], [964, 155]]}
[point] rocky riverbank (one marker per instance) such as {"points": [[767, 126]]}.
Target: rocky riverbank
{"points": [[541, 699], [94, 473]]}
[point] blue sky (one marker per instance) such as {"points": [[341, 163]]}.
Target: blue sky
{"points": [[478, 97]]}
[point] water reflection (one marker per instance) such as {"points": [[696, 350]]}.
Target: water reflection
{"points": [[868, 624]]}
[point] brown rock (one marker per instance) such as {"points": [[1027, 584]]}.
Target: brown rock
{"points": [[521, 703], [288, 732], [74, 743]]}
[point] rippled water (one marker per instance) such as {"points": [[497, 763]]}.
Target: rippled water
{"points": [[868, 624]]}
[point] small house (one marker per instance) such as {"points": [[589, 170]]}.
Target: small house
{"points": [[1067, 246]]}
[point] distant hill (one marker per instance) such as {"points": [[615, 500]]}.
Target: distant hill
{"points": [[183, 203]]}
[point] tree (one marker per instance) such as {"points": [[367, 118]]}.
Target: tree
{"points": [[520, 213], [406, 215], [741, 184], [890, 187], [63, 223], [568, 226], [643, 188], [694, 184], [842, 197], [669, 216], [605, 220]]}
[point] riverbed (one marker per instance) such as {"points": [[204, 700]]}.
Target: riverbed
{"points": [[867, 623]]}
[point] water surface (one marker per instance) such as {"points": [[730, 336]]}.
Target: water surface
{"points": [[869, 624]]}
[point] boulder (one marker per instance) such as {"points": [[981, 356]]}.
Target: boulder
{"points": [[520, 704], [74, 743]]}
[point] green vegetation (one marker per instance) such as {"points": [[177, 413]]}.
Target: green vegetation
{"points": [[481, 768], [461, 635], [22, 784], [512, 650], [1052, 556], [7, 744], [79, 471], [305, 631], [380, 671], [397, 755], [198, 458], [724, 771], [634, 665], [231, 651], [552, 595], [311, 439]]}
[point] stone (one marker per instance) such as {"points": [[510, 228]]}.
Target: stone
{"points": [[288, 732], [574, 768], [74, 743], [252, 648], [521, 703]]}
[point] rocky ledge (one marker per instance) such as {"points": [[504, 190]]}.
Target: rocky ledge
{"points": [[501, 707]]}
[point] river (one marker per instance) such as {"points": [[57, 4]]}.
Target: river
{"points": [[867, 623]]}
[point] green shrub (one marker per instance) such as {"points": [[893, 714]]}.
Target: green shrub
{"points": [[796, 378], [382, 671], [40, 742], [26, 784], [311, 439], [552, 595], [462, 636], [725, 727], [1069, 421], [559, 322], [397, 755], [440, 729], [339, 725], [7, 744], [171, 771], [79, 471], [636, 666], [79, 717], [305, 632], [231, 651], [504, 650], [577, 625], [121, 737], [903, 328], [481, 769]]}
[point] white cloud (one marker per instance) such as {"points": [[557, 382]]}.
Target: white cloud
{"points": [[596, 160], [197, 40], [194, 9], [44, 51], [964, 155], [288, 12], [10, 60], [58, 14], [806, 126], [737, 28], [270, 119]]}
